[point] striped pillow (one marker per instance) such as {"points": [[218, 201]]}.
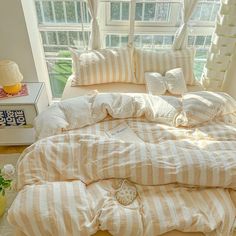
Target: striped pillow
{"points": [[102, 66], [149, 61], [203, 106]]}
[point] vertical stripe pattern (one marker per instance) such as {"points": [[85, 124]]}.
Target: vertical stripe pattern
{"points": [[153, 61], [62, 190], [102, 66]]}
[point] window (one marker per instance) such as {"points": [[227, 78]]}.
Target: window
{"points": [[65, 23], [62, 24]]}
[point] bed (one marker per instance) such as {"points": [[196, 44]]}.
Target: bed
{"points": [[59, 195], [135, 147]]}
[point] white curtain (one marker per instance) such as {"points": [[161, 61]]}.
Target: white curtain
{"points": [[132, 11], [181, 35], [222, 47], [95, 40]]}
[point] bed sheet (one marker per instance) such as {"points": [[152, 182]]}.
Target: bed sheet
{"points": [[70, 92]]}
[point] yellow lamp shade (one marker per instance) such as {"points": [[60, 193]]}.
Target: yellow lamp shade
{"points": [[9, 73]]}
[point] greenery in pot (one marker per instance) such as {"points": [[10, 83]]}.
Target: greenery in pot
{"points": [[6, 175]]}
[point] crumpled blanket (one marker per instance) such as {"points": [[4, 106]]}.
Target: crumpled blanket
{"points": [[190, 110]]}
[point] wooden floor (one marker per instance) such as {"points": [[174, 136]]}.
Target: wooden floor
{"points": [[12, 149]]}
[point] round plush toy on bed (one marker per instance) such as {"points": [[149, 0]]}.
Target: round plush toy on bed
{"points": [[126, 194]]}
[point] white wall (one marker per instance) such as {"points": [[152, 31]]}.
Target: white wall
{"points": [[230, 83], [17, 45], [14, 40]]}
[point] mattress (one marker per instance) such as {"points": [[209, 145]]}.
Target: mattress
{"points": [[70, 92]]}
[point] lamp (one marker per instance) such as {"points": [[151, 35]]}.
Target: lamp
{"points": [[10, 76]]}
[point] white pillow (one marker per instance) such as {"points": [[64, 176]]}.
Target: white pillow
{"points": [[173, 82], [150, 60], [102, 66]]}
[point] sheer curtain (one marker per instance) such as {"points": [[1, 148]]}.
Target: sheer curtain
{"points": [[181, 36], [222, 47], [132, 12], [95, 40]]}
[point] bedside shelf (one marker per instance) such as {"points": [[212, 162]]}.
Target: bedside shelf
{"points": [[20, 111], [16, 136]]}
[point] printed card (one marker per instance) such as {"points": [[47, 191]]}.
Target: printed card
{"points": [[125, 133]]}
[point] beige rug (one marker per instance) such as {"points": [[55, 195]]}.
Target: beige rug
{"points": [[5, 228]]}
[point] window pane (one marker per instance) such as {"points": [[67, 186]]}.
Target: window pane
{"points": [[108, 45], [39, 12], [73, 38], [115, 11], [59, 71], [79, 10], [115, 41], [137, 40], [162, 11], [201, 54], [153, 41], [125, 11], [196, 13], [147, 41], [63, 11], [191, 40], [85, 12], [70, 12], [59, 12], [199, 40], [206, 11], [145, 11], [52, 38], [168, 40], [208, 40], [65, 39], [62, 37], [198, 68], [139, 12], [158, 40], [47, 10], [202, 43], [149, 11], [44, 37], [124, 41], [214, 12]]}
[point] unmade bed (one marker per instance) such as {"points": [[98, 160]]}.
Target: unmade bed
{"points": [[181, 168]]}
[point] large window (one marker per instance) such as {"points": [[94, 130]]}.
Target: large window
{"points": [[65, 23]]}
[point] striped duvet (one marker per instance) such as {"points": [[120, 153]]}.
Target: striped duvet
{"points": [[185, 179]]}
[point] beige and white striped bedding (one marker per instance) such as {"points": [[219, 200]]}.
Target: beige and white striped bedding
{"points": [[176, 111], [185, 179]]}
